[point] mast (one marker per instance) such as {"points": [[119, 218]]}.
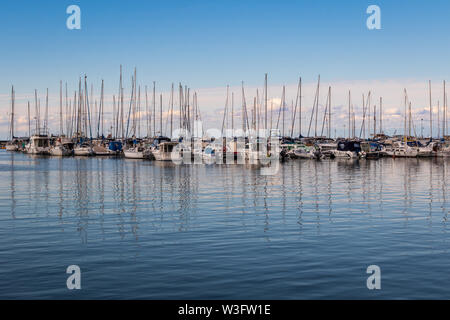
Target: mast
{"points": [[121, 131], [29, 119], [313, 109], [284, 105], [295, 109], [113, 131], [374, 120], [135, 113], [381, 115], [101, 109], [329, 112], [265, 102], [271, 114], [86, 94], [119, 118], [245, 124], [46, 114], [409, 125], [317, 107], [368, 119], [36, 111], [139, 112], [431, 113], [171, 111], [232, 113], [243, 109], [404, 128], [325, 115], [160, 115], [76, 112], [12, 113], [363, 124], [438, 120], [300, 109], [60, 109], [67, 113], [131, 107], [94, 111], [445, 119], [146, 111], [154, 109], [188, 106], [186, 120], [292, 114], [225, 112], [349, 116], [444, 115], [180, 89], [258, 111]]}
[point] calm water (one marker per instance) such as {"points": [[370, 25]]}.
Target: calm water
{"points": [[147, 230]]}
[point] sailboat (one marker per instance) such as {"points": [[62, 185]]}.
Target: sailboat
{"points": [[83, 149], [137, 151], [400, 149], [84, 146], [63, 148], [40, 141]]}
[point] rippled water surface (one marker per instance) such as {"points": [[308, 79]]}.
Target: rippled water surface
{"points": [[148, 230]]}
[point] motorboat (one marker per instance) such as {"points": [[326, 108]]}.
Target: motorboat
{"points": [[39, 144]]}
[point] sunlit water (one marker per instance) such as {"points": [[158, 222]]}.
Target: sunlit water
{"points": [[148, 230]]}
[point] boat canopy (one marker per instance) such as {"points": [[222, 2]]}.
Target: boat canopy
{"points": [[353, 146], [115, 146]]}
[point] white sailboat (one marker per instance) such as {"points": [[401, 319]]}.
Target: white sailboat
{"points": [[61, 150], [83, 150], [400, 149], [137, 152]]}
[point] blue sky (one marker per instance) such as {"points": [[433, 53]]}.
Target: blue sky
{"points": [[208, 44]]}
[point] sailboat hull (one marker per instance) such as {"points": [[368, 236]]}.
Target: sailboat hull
{"points": [[59, 152], [134, 155], [11, 147], [83, 152]]}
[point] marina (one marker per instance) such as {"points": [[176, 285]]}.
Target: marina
{"points": [[259, 139]]}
